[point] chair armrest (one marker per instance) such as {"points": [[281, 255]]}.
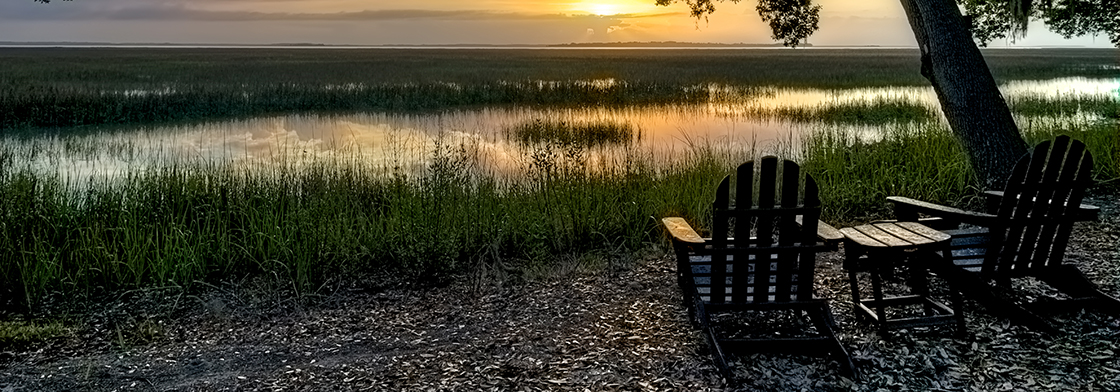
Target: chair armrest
{"points": [[828, 234], [680, 230], [992, 200], [825, 232], [1085, 212], [907, 209]]}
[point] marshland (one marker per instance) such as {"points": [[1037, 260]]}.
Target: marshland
{"points": [[127, 170]]}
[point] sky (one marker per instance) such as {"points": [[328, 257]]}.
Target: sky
{"points": [[434, 22]]}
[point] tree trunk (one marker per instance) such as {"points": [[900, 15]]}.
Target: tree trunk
{"points": [[966, 89]]}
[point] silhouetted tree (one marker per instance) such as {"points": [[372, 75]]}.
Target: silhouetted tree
{"points": [[952, 62]]}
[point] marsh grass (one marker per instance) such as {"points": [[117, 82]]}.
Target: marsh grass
{"points": [[313, 224], [185, 223], [565, 133], [1102, 138], [52, 106], [863, 112], [924, 162], [318, 223], [52, 87], [1100, 106]]}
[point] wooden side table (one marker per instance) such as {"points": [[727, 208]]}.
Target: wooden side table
{"points": [[876, 248]]}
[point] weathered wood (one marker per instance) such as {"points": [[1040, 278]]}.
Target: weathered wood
{"points": [[720, 229], [902, 233], [861, 238], [682, 231], [883, 237], [925, 231], [826, 232], [905, 206], [883, 244]]}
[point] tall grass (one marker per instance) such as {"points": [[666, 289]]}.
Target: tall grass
{"points": [[310, 224], [1102, 106], [920, 161], [1102, 138], [189, 223]]}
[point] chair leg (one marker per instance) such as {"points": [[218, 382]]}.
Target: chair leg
{"points": [[958, 310], [974, 287], [822, 319], [703, 318], [1070, 280], [938, 265]]}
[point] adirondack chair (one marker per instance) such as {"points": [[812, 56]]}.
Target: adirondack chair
{"points": [[760, 257], [1024, 234]]}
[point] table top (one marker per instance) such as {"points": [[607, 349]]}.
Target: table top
{"points": [[894, 235]]}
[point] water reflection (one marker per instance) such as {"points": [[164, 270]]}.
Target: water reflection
{"points": [[405, 142], [1063, 87]]}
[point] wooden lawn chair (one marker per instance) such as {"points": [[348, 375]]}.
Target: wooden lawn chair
{"points": [[761, 256], [1025, 234]]}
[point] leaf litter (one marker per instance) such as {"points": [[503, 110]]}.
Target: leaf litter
{"points": [[619, 329]]}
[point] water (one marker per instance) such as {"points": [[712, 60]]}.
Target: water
{"points": [[395, 141]]}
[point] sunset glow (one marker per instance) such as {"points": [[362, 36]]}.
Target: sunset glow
{"points": [[843, 22], [607, 8], [603, 9]]}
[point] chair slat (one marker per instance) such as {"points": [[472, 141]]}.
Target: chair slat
{"points": [[1048, 195], [807, 266], [766, 191], [789, 232], [744, 201], [1077, 194], [719, 238]]}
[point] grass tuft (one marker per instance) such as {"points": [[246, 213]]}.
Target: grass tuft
{"points": [[25, 333], [565, 133]]}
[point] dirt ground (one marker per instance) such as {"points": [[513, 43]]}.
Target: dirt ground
{"points": [[614, 328]]}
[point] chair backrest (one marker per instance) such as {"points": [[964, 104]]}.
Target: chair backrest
{"points": [[1039, 207], [760, 250]]}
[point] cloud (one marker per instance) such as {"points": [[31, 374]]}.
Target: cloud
{"points": [[175, 11]]}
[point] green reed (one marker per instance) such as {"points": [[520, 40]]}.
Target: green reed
{"points": [[310, 224], [1103, 106], [332, 219], [1101, 137], [583, 133], [863, 112], [855, 175]]}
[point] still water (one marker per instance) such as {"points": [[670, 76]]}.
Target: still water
{"points": [[396, 141]]}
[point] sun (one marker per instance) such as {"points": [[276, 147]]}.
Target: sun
{"points": [[603, 9], [614, 7]]}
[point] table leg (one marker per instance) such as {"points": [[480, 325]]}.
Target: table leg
{"points": [[919, 281], [877, 291], [851, 261]]}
